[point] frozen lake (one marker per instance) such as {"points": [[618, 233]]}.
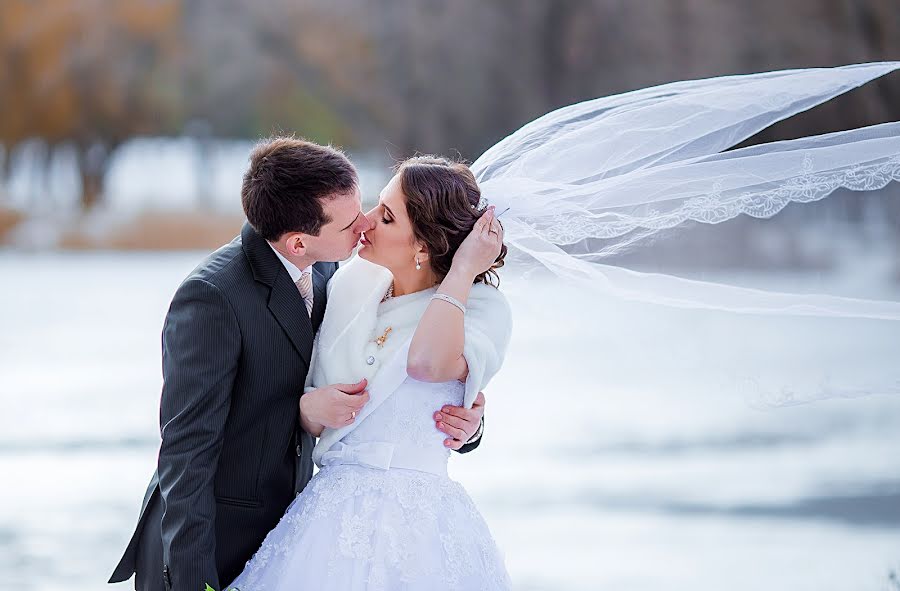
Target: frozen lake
{"points": [[594, 473]]}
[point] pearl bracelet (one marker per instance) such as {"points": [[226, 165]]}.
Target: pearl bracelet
{"points": [[450, 300]]}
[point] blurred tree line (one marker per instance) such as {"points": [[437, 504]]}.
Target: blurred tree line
{"points": [[396, 75]]}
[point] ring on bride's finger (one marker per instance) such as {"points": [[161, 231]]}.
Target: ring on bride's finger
{"points": [[352, 415]]}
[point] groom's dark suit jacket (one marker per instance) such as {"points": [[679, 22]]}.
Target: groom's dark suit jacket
{"points": [[236, 349]]}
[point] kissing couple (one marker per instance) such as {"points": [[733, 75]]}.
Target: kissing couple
{"points": [[269, 345]]}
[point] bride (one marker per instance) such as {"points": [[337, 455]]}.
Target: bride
{"points": [[418, 314]]}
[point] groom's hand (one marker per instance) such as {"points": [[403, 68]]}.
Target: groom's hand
{"points": [[333, 406], [460, 423]]}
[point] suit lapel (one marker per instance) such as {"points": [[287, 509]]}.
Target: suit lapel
{"points": [[285, 302], [319, 297]]}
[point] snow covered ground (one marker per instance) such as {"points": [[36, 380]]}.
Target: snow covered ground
{"points": [[605, 465]]}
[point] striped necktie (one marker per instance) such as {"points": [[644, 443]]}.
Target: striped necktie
{"points": [[305, 285]]}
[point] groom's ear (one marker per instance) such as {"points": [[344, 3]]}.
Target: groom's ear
{"points": [[295, 243]]}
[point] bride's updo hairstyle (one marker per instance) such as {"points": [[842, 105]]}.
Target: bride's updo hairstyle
{"points": [[443, 202]]}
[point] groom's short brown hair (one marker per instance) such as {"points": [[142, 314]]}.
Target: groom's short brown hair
{"points": [[287, 183]]}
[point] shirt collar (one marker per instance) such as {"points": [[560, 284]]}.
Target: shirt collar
{"points": [[291, 268]]}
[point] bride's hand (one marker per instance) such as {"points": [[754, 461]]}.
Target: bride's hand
{"points": [[481, 247], [333, 406]]}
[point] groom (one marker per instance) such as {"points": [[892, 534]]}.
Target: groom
{"points": [[236, 348]]}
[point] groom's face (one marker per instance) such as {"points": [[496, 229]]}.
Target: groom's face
{"points": [[338, 238]]}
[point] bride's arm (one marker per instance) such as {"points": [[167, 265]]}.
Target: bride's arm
{"points": [[436, 350]]}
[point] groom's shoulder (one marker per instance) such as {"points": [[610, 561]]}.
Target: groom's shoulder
{"points": [[326, 269], [225, 268]]}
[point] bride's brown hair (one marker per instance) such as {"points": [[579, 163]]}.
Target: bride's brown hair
{"points": [[443, 202]]}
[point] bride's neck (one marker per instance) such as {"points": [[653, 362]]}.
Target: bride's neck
{"points": [[406, 283]]}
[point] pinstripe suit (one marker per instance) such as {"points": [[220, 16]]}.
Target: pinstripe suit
{"points": [[236, 349]]}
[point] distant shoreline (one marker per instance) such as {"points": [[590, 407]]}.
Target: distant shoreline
{"points": [[144, 231]]}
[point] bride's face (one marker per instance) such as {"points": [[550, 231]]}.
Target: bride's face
{"points": [[390, 241]]}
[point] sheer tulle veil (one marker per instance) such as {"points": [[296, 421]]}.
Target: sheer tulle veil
{"points": [[608, 176]]}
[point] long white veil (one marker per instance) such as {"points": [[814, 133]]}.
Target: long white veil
{"points": [[599, 178]]}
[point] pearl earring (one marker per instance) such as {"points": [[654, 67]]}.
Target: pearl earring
{"points": [[418, 266]]}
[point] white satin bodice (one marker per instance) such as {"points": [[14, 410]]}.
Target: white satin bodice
{"points": [[407, 417]]}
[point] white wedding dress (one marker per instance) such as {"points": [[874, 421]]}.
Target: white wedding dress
{"points": [[382, 513], [359, 527]]}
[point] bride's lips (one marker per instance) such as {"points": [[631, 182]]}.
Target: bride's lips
{"points": [[363, 241]]}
